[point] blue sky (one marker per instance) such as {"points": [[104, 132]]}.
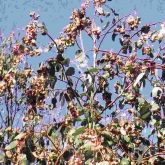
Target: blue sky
{"points": [[55, 13]]}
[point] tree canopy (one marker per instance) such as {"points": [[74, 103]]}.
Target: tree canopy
{"points": [[98, 98]]}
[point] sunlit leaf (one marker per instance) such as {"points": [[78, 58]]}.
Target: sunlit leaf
{"points": [[2, 158], [157, 92], [138, 79], [154, 107], [125, 161], [22, 159], [20, 136], [103, 163], [93, 70], [12, 145], [78, 131]]}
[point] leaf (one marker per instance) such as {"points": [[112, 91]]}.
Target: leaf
{"points": [[138, 79], [127, 138], [125, 161], [114, 36], [146, 116], [123, 131], [50, 130], [145, 29], [22, 160], [103, 163], [20, 136], [62, 99], [67, 155], [121, 41], [2, 158], [154, 107], [12, 145], [93, 70], [70, 71], [157, 92], [53, 81], [124, 49], [79, 130], [121, 103], [138, 44], [87, 146]]}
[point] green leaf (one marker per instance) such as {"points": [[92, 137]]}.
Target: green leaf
{"points": [[154, 107], [70, 71], [87, 146], [2, 157], [144, 108], [20, 136], [78, 131], [12, 145], [93, 70], [22, 160], [127, 138], [125, 161], [66, 62], [146, 116]]}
